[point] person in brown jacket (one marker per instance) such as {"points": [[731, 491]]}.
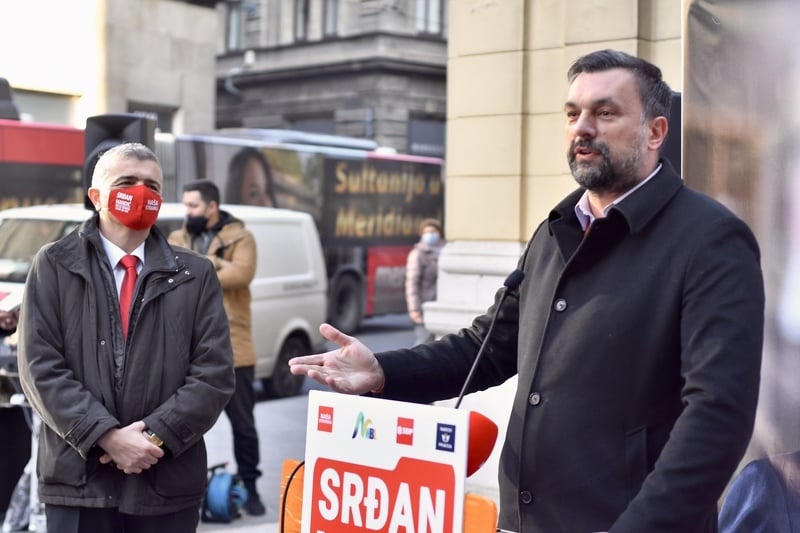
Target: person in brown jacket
{"points": [[232, 249], [422, 270]]}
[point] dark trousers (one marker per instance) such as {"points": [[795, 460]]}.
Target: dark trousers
{"points": [[63, 519], [243, 424], [15, 450]]}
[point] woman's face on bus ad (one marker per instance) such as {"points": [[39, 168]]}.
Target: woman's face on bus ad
{"points": [[254, 184]]}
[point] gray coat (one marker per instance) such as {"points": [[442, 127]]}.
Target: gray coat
{"points": [[422, 270], [175, 372], [638, 353]]}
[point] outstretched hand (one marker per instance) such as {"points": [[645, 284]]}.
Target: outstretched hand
{"points": [[351, 369]]}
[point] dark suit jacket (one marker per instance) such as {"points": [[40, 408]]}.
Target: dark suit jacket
{"points": [[638, 353], [764, 497], [174, 371]]}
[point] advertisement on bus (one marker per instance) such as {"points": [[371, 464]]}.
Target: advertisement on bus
{"points": [[367, 204]]}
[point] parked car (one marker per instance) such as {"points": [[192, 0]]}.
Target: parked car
{"points": [[288, 292]]}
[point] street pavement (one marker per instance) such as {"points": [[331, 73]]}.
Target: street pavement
{"points": [[246, 524]]}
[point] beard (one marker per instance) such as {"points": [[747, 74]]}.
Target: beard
{"points": [[610, 175]]}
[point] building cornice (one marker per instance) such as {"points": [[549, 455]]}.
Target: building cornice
{"points": [[373, 52]]}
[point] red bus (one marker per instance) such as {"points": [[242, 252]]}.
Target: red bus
{"points": [[39, 164]]}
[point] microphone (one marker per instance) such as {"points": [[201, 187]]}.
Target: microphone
{"points": [[511, 283], [482, 429]]}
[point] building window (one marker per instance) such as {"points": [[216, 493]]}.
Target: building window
{"points": [[163, 115], [243, 21], [252, 23], [301, 16], [331, 18], [429, 16], [314, 125], [235, 26], [426, 136], [45, 107]]}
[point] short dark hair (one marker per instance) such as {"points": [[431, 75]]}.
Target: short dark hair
{"points": [[433, 222], [207, 189], [655, 93]]}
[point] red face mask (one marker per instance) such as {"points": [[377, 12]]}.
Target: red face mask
{"points": [[135, 207]]}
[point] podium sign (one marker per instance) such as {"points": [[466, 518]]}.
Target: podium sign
{"points": [[375, 465]]}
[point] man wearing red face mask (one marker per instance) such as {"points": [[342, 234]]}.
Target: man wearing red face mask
{"points": [[125, 354]]}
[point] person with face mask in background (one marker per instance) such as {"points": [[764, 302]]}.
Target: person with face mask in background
{"points": [[422, 270], [232, 250], [125, 354]]}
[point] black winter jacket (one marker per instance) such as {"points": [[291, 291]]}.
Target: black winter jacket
{"points": [[175, 372], [637, 351]]}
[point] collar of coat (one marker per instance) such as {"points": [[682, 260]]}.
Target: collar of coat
{"points": [[229, 228], [225, 218], [71, 252], [636, 211]]}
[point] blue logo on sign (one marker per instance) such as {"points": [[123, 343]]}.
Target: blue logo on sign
{"points": [[445, 437], [363, 427]]}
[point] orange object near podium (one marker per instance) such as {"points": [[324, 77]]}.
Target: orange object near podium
{"points": [[480, 514], [291, 502]]}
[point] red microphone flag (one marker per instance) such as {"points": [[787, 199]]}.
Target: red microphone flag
{"points": [[482, 436]]}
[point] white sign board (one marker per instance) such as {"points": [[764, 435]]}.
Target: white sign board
{"points": [[10, 295], [375, 465]]}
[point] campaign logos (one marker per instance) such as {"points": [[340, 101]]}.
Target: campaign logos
{"points": [[386, 466], [325, 419], [363, 427], [405, 431], [445, 437]]}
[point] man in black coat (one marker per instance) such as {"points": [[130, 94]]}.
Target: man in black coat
{"points": [[635, 335], [125, 354]]}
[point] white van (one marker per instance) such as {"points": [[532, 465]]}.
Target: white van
{"points": [[288, 291]]}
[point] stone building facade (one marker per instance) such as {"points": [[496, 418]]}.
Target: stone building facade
{"points": [[373, 69], [112, 56]]}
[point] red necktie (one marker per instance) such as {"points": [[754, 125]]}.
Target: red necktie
{"points": [[126, 291]]}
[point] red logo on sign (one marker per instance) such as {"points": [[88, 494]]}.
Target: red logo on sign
{"points": [[417, 496], [405, 431], [325, 419]]}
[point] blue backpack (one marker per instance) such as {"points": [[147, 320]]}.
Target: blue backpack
{"points": [[225, 495]]}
